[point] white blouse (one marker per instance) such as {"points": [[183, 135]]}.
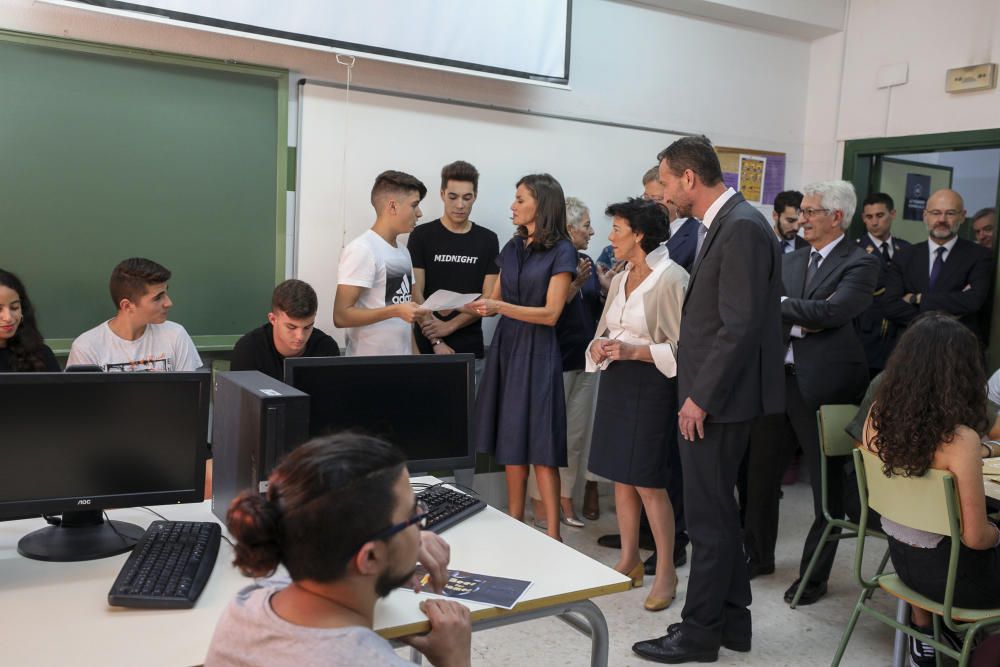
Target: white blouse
{"points": [[626, 321]]}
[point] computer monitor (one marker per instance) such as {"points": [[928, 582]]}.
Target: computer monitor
{"points": [[77, 444], [420, 403]]}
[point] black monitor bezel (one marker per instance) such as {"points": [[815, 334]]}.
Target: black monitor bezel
{"points": [[468, 460], [19, 509]]}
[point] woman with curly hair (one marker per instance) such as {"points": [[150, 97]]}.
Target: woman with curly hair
{"points": [[930, 412], [21, 346]]}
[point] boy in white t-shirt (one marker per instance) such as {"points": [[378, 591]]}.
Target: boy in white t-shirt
{"points": [[375, 278], [138, 337]]}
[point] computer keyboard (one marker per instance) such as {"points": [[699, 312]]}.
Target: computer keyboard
{"points": [[448, 506], [168, 567]]}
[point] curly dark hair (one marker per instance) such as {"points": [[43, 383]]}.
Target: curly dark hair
{"points": [[933, 382], [27, 343]]}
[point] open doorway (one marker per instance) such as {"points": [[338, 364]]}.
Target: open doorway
{"points": [[910, 168]]}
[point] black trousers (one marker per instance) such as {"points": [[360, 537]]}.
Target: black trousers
{"points": [[772, 445], [802, 417], [718, 593]]}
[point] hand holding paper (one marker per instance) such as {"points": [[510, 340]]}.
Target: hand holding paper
{"points": [[444, 299]]}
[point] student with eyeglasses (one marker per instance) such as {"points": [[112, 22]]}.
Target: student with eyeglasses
{"points": [[340, 516]]}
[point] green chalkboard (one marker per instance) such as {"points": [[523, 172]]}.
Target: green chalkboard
{"points": [[108, 153]]}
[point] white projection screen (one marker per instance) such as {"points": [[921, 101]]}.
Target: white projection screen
{"points": [[525, 40]]}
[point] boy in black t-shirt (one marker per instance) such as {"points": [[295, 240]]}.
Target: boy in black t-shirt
{"points": [[289, 332], [456, 254]]}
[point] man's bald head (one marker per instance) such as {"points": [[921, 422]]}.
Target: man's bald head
{"points": [[944, 214]]}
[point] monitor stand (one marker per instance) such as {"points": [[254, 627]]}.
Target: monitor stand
{"points": [[83, 535]]}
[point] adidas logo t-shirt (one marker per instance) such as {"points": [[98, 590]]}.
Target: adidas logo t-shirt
{"points": [[386, 274]]}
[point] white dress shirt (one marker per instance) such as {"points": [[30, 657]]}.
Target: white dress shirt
{"points": [[716, 206], [676, 225]]}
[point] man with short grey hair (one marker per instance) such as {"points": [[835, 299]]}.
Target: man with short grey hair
{"points": [[827, 285]]}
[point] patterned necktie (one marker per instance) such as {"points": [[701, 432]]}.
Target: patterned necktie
{"points": [[814, 260], [936, 268]]}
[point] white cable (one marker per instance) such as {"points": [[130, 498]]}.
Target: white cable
{"points": [[348, 62]]}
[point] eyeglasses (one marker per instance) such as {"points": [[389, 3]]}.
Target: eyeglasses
{"points": [[937, 213], [810, 212], [420, 518]]}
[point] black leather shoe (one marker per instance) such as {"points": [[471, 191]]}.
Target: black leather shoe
{"points": [[673, 649], [756, 569], [680, 554], [738, 644], [812, 593], [610, 541], [649, 565]]}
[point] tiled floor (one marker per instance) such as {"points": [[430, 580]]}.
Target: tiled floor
{"points": [[782, 637]]}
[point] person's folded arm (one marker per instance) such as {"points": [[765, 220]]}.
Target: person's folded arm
{"points": [[852, 296], [968, 300]]}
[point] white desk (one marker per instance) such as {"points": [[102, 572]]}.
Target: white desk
{"points": [[57, 613]]}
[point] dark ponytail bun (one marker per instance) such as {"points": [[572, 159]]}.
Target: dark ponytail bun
{"points": [[253, 521]]}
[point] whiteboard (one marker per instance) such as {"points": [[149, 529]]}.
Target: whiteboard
{"points": [[343, 144]]}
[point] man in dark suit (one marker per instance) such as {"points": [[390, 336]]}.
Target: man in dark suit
{"points": [[786, 221], [826, 285], [683, 239], [945, 273], [878, 335], [729, 372]]}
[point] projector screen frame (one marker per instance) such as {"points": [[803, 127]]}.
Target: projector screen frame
{"points": [[209, 24]]}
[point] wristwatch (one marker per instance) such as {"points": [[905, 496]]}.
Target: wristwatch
{"points": [[436, 342]]}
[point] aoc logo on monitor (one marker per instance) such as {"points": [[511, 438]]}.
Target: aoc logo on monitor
{"points": [[83, 501]]}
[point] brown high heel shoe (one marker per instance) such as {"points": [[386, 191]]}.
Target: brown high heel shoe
{"points": [[636, 575], [659, 604]]}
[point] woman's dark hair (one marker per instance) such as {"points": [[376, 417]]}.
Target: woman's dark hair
{"points": [[550, 211], [26, 344], [933, 382], [324, 501], [643, 216]]}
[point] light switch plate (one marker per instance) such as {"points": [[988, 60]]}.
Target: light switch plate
{"points": [[976, 77]]}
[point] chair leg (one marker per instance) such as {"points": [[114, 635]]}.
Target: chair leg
{"points": [[881, 569], [967, 643], [849, 630], [900, 639], [937, 637], [804, 580]]}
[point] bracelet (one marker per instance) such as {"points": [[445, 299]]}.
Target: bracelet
{"points": [[436, 342]]}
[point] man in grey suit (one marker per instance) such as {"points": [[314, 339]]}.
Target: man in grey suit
{"points": [[729, 373], [826, 285]]}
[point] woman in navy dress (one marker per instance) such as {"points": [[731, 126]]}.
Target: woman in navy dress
{"points": [[521, 409]]}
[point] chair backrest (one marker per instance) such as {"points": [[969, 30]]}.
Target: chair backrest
{"points": [[917, 502], [832, 420]]}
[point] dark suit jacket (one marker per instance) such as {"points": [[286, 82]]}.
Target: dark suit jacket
{"points": [[683, 245], [878, 335], [830, 364], [729, 355], [968, 265]]}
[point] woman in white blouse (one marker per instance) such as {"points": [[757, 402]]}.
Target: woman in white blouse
{"points": [[636, 418]]}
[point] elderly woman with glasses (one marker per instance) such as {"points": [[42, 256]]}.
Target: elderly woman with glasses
{"points": [[636, 418]]}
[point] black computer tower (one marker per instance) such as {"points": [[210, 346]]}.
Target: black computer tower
{"points": [[256, 421]]}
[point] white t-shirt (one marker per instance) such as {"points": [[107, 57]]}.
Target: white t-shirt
{"points": [[162, 347], [386, 273]]}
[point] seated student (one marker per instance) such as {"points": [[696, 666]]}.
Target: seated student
{"points": [[340, 516], [290, 332], [929, 412], [21, 346], [374, 283], [138, 337]]}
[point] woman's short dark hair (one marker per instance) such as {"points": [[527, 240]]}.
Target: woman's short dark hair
{"points": [[324, 501], [933, 382], [550, 211], [643, 216], [26, 344]]}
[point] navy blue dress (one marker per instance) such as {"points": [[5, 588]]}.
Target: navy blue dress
{"points": [[521, 410]]}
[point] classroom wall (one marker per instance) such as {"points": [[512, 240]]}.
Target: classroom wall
{"points": [[931, 37]]}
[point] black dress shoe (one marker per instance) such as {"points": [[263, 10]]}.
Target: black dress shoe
{"points": [[649, 565], [610, 541], [680, 554], [738, 644], [812, 593], [674, 648], [757, 569]]}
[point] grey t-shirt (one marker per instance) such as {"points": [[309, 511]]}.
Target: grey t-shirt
{"points": [[249, 634]]}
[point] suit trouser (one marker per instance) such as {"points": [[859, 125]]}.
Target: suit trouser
{"points": [[772, 445], [718, 592], [802, 416], [580, 389]]}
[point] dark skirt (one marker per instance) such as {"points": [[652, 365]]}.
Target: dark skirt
{"points": [[635, 425], [977, 581]]}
